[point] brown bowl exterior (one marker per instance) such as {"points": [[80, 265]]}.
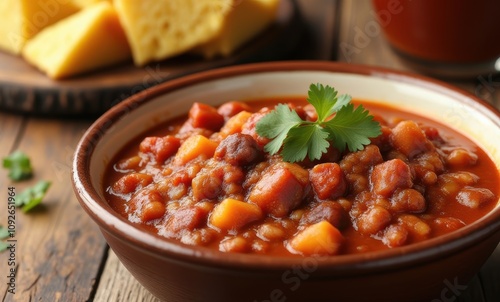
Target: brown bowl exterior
{"points": [[172, 280], [437, 270]]}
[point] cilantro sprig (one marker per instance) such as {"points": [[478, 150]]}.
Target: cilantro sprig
{"points": [[339, 123], [19, 166], [32, 196]]}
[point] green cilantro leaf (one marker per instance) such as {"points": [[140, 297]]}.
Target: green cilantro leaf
{"points": [[32, 196], [338, 123], [19, 166], [308, 139], [283, 119], [324, 100], [352, 127]]}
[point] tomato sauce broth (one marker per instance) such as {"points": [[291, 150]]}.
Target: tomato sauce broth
{"points": [[360, 214]]}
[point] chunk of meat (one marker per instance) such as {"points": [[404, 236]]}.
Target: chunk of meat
{"points": [[230, 109], [330, 211], [249, 127], [389, 176], [280, 189], [328, 180], [216, 181], [205, 116], [146, 205], [187, 218], [238, 150], [131, 182], [160, 148]]}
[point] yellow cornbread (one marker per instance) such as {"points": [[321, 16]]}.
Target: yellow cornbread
{"points": [[23, 19], [159, 29], [87, 40], [85, 3], [246, 20]]}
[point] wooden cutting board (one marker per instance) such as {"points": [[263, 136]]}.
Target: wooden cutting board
{"points": [[24, 89]]}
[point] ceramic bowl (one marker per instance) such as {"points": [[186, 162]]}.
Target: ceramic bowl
{"points": [[437, 268]]}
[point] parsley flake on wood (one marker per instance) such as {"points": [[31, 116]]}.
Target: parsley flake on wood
{"points": [[339, 123], [19, 166], [32, 196]]}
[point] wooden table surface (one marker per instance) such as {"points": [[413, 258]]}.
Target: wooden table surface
{"points": [[60, 254]]}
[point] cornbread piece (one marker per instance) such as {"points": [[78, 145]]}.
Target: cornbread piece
{"points": [[245, 21], [159, 29], [87, 40], [85, 3], [23, 19]]}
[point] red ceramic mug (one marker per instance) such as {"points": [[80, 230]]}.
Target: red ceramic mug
{"points": [[444, 37]]}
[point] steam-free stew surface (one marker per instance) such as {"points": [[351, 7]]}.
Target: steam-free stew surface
{"points": [[206, 180]]}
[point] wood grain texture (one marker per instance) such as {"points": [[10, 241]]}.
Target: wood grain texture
{"points": [[11, 128], [25, 89], [59, 249], [117, 284]]}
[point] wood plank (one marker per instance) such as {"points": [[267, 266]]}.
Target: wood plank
{"points": [[320, 18], [59, 249], [117, 284], [11, 127]]}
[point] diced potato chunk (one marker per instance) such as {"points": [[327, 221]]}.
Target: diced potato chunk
{"points": [[232, 214], [234, 124], [321, 238], [193, 147]]}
